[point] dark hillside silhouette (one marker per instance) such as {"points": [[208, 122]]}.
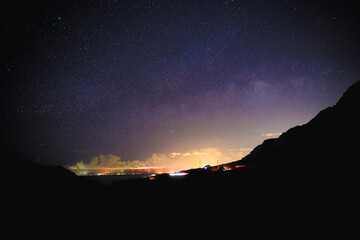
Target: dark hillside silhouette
{"points": [[318, 155], [328, 141], [32, 180]]}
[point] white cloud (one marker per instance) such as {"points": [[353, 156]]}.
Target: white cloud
{"points": [[174, 154], [270, 134]]}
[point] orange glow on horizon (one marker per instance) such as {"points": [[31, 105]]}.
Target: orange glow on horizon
{"points": [[159, 162]]}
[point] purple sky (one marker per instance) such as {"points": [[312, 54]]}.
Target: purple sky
{"points": [[133, 78]]}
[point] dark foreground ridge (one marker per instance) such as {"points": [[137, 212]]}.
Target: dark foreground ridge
{"points": [[328, 142], [321, 155]]}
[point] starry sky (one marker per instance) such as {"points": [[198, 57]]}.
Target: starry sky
{"points": [[133, 78]]}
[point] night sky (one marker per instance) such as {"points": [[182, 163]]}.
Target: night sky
{"points": [[134, 78]]}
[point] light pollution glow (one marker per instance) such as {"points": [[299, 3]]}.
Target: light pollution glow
{"points": [[174, 161]]}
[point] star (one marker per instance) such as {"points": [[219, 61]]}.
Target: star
{"points": [[131, 79]]}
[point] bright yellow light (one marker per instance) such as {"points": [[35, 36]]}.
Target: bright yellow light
{"points": [[160, 162]]}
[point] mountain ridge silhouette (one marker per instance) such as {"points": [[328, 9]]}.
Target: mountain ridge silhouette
{"points": [[325, 146], [327, 141]]}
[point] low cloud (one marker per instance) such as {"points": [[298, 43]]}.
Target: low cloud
{"points": [[106, 162], [194, 159], [271, 134], [174, 154], [174, 161]]}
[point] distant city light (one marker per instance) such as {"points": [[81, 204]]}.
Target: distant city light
{"points": [[177, 174]]}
